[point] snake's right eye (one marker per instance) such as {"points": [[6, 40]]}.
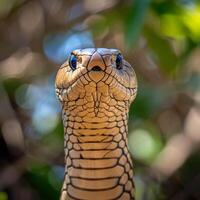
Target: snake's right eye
{"points": [[73, 62]]}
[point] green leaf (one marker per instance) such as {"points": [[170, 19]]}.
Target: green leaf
{"points": [[134, 21], [161, 50], [38, 177]]}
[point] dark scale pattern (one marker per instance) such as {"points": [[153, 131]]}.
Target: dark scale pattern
{"points": [[95, 105]]}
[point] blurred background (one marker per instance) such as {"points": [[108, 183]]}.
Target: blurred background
{"points": [[160, 38]]}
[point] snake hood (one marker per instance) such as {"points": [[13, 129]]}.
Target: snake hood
{"points": [[100, 71]]}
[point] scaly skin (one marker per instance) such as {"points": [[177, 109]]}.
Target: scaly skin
{"points": [[95, 107]]}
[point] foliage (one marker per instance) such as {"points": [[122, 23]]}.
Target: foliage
{"points": [[160, 38]]}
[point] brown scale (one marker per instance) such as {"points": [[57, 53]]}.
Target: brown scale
{"points": [[95, 88]]}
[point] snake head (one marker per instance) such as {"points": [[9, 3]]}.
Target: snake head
{"points": [[101, 74]]}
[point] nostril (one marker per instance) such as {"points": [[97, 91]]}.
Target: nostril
{"points": [[96, 68]]}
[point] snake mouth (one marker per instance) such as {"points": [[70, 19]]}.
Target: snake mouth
{"points": [[96, 69], [96, 73]]}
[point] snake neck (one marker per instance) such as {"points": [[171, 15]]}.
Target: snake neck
{"points": [[98, 164]]}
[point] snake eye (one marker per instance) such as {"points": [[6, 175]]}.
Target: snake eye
{"points": [[119, 61], [73, 62]]}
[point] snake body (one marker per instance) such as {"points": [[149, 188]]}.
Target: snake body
{"points": [[95, 88]]}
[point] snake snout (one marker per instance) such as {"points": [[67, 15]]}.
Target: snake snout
{"points": [[96, 68], [96, 63]]}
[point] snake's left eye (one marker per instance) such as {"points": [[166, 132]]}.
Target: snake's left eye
{"points": [[73, 62], [118, 61]]}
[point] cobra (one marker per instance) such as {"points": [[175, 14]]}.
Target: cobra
{"points": [[95, 88]]}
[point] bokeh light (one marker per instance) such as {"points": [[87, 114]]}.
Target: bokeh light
{"points": [[143, 145], [57, 47]]}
